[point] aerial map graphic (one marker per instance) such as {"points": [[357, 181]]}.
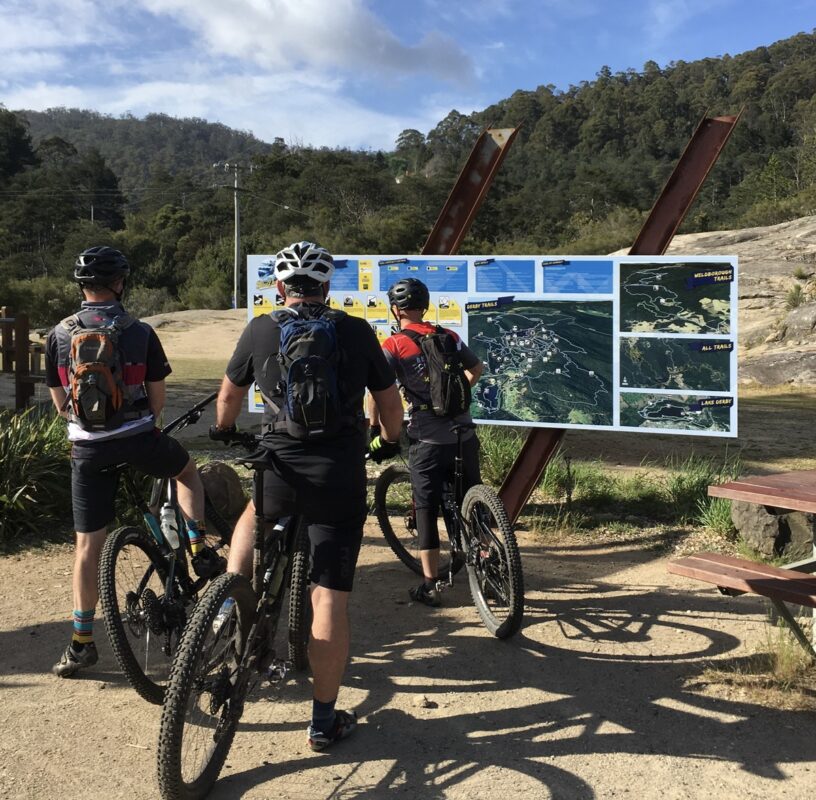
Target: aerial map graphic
{"points": [[675, 412], [545, 362], [664, 363], [676, 298]]}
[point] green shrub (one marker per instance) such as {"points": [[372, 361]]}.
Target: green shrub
{"points": [[801, 274], [714, 513], [688, 481], [35, 486], [142, 301], [500, 446], [45, 300]]}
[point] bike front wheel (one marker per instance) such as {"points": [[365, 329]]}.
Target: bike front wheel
{"points": [[394, 508], [205, 694], [493, 562], [141, 627]]}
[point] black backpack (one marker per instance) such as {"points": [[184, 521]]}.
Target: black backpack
{"points": [[449, 386], [308, 357]]}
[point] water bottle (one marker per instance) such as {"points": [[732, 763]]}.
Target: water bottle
{"points": [[169, 525]]}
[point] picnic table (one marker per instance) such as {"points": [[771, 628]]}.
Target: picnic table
{"points": [[792, 583]]}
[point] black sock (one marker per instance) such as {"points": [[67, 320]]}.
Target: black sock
{"points": [[323, 715], [430, 584]]}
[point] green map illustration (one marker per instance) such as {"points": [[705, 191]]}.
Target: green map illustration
{"points": [[673, 412], [664, 363], [544, 361], [658, 298]]}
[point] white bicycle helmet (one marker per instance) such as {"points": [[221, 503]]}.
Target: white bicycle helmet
{"points": [[304, 260]]}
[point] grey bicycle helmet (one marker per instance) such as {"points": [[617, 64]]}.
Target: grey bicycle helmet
{"points": [[304, 261], [100, 265], [408, 293]]}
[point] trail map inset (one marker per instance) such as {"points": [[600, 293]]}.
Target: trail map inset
{"points": [[544, 362], [641, 344]]}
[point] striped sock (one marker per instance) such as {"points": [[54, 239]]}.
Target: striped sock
{"points": [[195, 532], [83, 628]]}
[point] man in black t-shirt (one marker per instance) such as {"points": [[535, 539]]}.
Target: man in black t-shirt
{"points": [[101, 274], [324, 477]]}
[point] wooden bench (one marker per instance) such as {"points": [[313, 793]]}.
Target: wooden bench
{"points": [[794, 491]]}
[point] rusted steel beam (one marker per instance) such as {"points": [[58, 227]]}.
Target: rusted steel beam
{"points": [[683, 185], [668, 212], [469, 191]]}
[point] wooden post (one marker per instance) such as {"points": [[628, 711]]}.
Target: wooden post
{"points": [[6, 339], [23, 386]]}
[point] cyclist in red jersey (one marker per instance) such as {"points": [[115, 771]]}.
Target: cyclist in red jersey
{"points": [[432, 442]]}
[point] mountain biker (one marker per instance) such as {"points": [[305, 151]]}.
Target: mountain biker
{"points": [[324, 478], [433, 444], [131, 437]]}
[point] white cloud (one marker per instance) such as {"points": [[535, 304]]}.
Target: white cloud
{"points": [[323, 34], [292, 105]]}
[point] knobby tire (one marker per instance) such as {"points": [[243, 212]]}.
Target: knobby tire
{"points": [[494, 562], [116, 623], [189, 674], [300, 602]]}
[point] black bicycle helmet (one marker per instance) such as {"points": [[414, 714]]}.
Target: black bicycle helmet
{"points": [[100, 265], [408, 293]]}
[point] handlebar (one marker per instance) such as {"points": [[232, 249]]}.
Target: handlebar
{"points": [[190, 416]]}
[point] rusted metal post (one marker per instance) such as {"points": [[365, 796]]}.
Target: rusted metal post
{"points": [[23, 386], [668, 212], [469, 191]]}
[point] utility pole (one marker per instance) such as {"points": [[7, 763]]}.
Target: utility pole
{"points": [[236, 167]]}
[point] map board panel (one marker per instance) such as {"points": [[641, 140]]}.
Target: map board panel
{"points": [[587, 342]]}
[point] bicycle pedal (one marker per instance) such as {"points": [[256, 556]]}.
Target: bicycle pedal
{"points": [[277, 670]]}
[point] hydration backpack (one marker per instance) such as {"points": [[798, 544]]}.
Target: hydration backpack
{"points": [[308, 358], [449, 386], [97, 397]]}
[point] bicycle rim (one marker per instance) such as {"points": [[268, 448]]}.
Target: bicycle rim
{"points": [[394, 508], [494, 563], [205, 694], [142, 629]]}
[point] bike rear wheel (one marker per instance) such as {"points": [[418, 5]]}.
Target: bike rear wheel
{"points": [[132, 574], [494, 562], [300, 602], [394, 508], [205, 695]]}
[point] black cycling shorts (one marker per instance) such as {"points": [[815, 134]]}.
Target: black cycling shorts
{"points": [[93, 487], [335, 519], [431, 464]]}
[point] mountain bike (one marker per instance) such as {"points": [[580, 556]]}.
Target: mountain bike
{"points": [[227, 647], [479, 536], [146, 584]]}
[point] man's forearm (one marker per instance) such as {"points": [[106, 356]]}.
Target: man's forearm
{"points": [[474, 373], [58, 397], [228, 404], [156, 395], [389, 406]]}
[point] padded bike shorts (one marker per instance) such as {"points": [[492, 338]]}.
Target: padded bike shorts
{"points": [[93, 483], [432, 464], [335, 516]]}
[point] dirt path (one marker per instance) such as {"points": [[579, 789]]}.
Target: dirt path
{"points": [[590, 700]]}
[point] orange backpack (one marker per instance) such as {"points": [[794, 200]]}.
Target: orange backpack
{"points": [[97, 397]]}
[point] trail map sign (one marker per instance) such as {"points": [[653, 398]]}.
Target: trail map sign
{"points": [[636, 343]]}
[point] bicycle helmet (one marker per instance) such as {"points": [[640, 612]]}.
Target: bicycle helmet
{"points": [[408, 293], [302, 262], [100, 265]]}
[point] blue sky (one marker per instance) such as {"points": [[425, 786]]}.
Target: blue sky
{"points": [[350, 72]]}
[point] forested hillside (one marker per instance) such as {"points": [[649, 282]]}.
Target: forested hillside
{"points": [[585, 169]]}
